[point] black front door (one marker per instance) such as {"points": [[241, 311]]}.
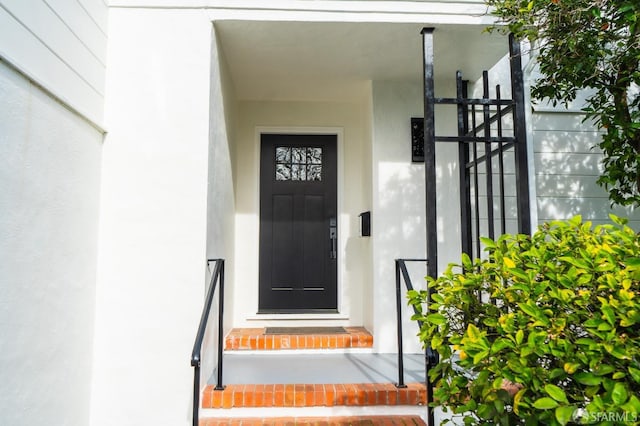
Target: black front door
{"points": [[298, 223]]}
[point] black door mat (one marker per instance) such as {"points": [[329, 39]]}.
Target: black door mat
{"points": [[305, 330]]}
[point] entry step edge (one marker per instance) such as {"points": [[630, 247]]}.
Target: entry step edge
{"points": [[248, 339]]}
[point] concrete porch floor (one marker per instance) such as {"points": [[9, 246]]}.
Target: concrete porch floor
{"points": [[260, 368]]}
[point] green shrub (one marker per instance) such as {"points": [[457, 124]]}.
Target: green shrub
{"points": [[544, 330]]}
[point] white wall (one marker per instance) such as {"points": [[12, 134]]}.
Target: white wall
{"points": [[350, 118], [367, 244], [399, 200], [50, 180], [60, 44], [153, 229], [567, 168], [221, 197], [52, 64]]}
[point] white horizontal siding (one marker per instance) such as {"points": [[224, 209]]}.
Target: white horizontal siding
{"points": [[567, 167], [508, 160], [590, 208], [509, 185], [91, 34], [97, 10], [511, 207], [558, 121], [569, 186], [568, 164], [554, 141], [511, 227], [57, 44], [49, 28]]}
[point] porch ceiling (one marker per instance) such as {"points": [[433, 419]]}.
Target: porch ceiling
{"points": [[334, 61]]}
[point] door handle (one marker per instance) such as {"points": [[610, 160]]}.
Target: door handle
{"points": [[333, 238]]}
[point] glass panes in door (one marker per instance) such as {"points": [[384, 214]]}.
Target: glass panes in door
{"points": [[298, 163]]}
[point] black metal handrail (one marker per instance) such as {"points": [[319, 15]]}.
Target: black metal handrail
{"points": [[431, 358], [196, 354]]}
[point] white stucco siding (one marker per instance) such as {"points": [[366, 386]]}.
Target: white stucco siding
{"points": [[61, 45], [399, 201], [221, 203], [221, 197], [153, 230], [567, 165], [50, 180], [367, 200]]}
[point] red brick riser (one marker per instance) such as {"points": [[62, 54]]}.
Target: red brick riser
{"points": [[255, 339], [314, 395]]}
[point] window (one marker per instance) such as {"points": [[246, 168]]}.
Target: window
{"points": [[298, 163]]}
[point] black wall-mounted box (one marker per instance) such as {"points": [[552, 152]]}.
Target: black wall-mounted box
{"points": [[365, 224]]}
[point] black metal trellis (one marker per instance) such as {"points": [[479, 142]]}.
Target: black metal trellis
{"points": [[481, 126], [486, 141]]}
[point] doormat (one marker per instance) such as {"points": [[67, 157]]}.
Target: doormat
{"points": [[305, 330]]}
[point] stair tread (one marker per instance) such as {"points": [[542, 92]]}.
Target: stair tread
{"points": [[319, 421], [250, 367], [314, 395], [257, 339]]}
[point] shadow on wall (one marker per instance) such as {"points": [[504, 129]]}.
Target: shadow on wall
{"points": [[402, 213], [399, 230], [567, 165], [402, 201]]}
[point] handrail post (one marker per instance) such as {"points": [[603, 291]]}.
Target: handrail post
{"points": [[196, 395], [196, 354], [219, 385], [402, 274], [400, 383]]}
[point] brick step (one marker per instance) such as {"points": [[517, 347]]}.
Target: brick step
{"points": [[243, 339], [314, 395], [317, 421]]}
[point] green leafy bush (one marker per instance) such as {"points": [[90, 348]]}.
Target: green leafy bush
{"points": [[544, 330]]}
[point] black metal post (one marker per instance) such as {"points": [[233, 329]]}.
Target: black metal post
{"points": [[463, 159], [430, 189], [219, 385], [196, 395], [503, 209], [196, 354], [520, 133], [430, 154], [486, 118], [476, 183], [400, 383]]}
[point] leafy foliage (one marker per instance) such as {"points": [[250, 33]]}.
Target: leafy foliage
{"points": [[545, 330], [595, 45]]}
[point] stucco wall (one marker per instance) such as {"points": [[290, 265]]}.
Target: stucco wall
{"points": [[52, 64], [50, 180], [220, 194], [350, 119], [151, 270], [399, 201], [61, 45]]}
